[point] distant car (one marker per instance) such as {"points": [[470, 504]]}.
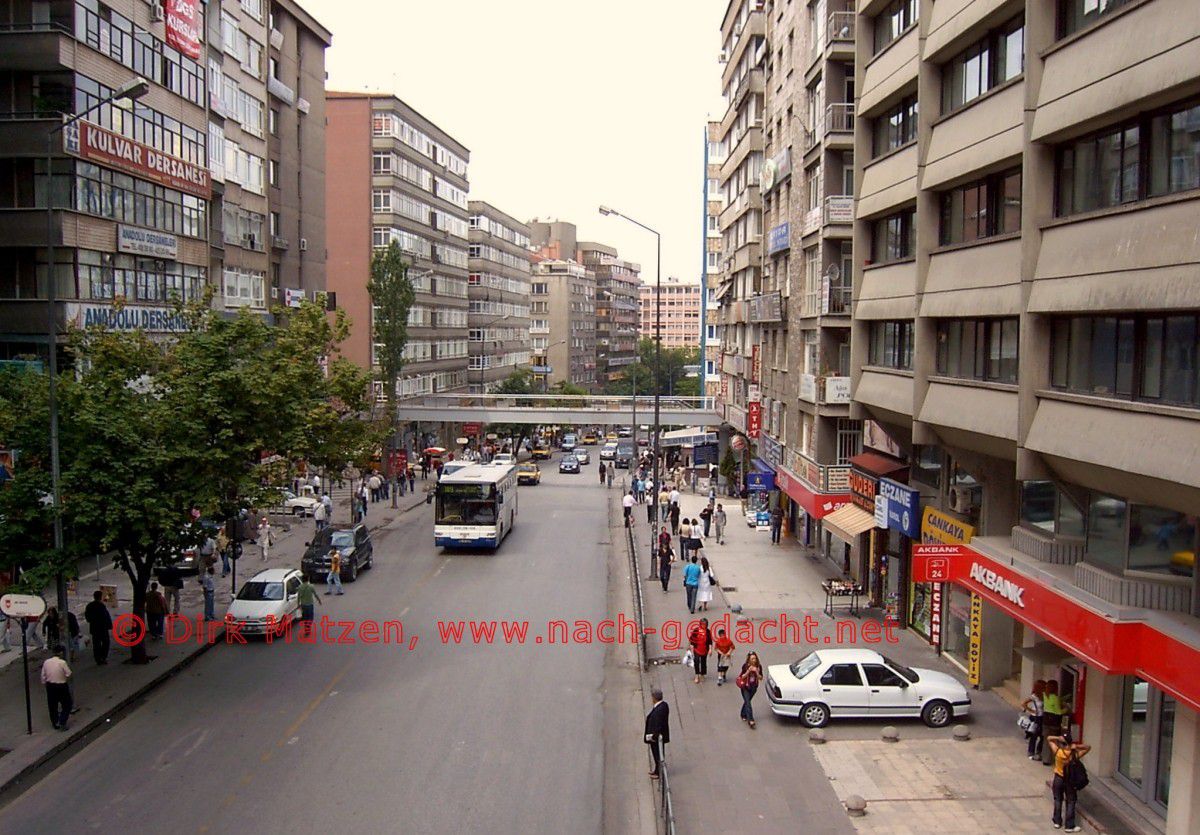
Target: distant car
{"points": [[861, 683], [624, 432], [589, 438], [568, 464], [302, 505], [625, 454], [541, 453], [643, 441], [529, 473], [608, 452], [582, 455], [267, 601], [568, 442], [354, 543]]}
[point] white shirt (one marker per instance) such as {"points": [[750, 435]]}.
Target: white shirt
{"points": [[316, 482], [628, 501], [55, 671], [674, 497]]}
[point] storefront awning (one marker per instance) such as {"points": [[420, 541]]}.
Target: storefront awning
{"points": [[883, 466], [817, 505], [849, 522]]}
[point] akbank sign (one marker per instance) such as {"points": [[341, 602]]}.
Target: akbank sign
{"points": [[903, 513]]}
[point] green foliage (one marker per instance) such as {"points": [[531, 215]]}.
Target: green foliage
{"points": [[520, 381], [392, 295], [728, 464], [672, 372]]}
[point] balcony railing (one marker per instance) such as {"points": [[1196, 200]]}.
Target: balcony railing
{"points": [[825, 478], [839, 208], [841, 27], [837, 301], [839, 117], [815, 389]]}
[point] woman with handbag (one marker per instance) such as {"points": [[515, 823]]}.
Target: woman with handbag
{"points": [[700, 640], [1033, 714], [704, 593], [747, 682]]}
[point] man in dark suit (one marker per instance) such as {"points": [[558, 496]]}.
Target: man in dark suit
{"points": [[99, 624], [658, 729]]}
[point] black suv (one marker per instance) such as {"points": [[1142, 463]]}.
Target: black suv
{"points": [[354, 542]]}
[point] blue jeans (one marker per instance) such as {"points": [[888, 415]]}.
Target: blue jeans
{"points": [[691, 597], [333, 579], [1064, 794], [224, 563], [747, 707], [209, 600]]}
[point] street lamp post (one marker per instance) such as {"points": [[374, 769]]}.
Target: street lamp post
{"points": [[606, 210], [131, 90], [546, 358]]}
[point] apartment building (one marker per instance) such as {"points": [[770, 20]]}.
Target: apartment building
{"points": [[714, 203], [394, 175], [617, 283], [498, 287], [680, 312], [564, 336], [1026, 336], [743, 54]]}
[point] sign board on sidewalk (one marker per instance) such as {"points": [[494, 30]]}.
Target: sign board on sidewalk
{"points": [[22, 605]]}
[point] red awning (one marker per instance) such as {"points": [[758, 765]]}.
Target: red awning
{"points": [[883, 466], [1118, 647], [816, 505]]}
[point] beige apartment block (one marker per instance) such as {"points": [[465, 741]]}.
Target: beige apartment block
{"points": [[500, 265], [714, 200], [1027, 331], [677, 319], [563, 321]]}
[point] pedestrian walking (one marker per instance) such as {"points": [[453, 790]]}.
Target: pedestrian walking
{"points": [[675, 518], [33, 632], [664, 502], [320, 516], [724, 648], [691, 582], [172, 582], [412, 480], [51, 631], [776, 524], [706, 518], [316, 483], [156, 611], [209, 585], [627, 502], [334, 577], [327, 500], [603, 472], [609, 476], [719, 520], [99, 625], [8, 625], [1066, 790], [700, 640], [666, 556], [673, 496], [747, 682], [73, 632], [685, 537], [56, 676], [373, 485], [208, 553], [658, 730], [305, 595], [704, 594], [266, 538], [1051, 719], [1033, 712]]}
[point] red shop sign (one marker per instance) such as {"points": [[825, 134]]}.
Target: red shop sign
{"points": [[753, 419], [183, 26], [100, 145]]}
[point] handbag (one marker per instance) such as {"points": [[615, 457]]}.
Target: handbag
{"points": [[740, 681], [1076, 773], [688, 659], [712, 579], [1025, 722]]}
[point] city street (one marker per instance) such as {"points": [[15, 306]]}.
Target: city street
{"points": [[378, 738]]}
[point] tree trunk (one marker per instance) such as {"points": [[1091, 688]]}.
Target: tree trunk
{"points": [[139, 569]]}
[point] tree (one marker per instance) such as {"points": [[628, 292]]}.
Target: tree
{"points": [[392, 297], [728, 466], [520, 381]]}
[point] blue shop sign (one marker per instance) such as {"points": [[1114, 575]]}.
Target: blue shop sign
{"points": [[903, 511], [779, 238], [760, 480]]}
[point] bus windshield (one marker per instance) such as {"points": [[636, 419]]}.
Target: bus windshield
{"points": [[466, 504]]}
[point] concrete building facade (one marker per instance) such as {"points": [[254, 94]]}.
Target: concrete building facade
{"points": [[714, 203], [1026, 337], [394, 175], [498, 288], [681, 302], [617, 283], [563, 322]]}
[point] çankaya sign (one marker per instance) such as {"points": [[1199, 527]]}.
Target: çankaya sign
{"points": [[1118, 647], [103, 146]]}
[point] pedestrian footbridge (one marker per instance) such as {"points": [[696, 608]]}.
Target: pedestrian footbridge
{"points": [[557, 409]]}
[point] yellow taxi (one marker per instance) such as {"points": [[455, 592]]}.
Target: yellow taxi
{"points": [[611, 436], [529, 473], [589, 438], [540, 452]]}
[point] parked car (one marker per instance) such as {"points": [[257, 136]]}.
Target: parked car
{"points": [[568, 464], [299, 505], [541, 452], [582, 455], [608, 452], [856, 683], [354, 543], [529, 473], [266, 602]]}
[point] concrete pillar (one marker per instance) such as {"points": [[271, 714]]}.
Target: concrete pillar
{"points": [[1102, 721], [995, 660], [1183, 812]]}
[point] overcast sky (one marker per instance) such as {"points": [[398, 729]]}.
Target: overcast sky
{"points": [[564, 104]]}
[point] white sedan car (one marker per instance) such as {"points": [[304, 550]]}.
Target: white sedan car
{"points": [[857, 683], [302, 505], [267, 602]]}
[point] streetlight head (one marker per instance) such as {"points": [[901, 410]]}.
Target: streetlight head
{"points": [[135, 88], [605, 210]]}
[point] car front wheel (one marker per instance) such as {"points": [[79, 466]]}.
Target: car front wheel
{"points": [[814, 715], [937, 714]]}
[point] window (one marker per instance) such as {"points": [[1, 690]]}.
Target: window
{"points": [[894, 21], [1123, 536], [981, 209], [894, 237], [1074, 15], [895, 128], [978, 349], [244, 288], [1110, 168], [273, 171], [1147, 357], [891, 344], [273, 121], [989, 62], [843, 675], [880, 676]]}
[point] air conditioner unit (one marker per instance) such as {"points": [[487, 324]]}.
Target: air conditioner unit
{"points": [[156, 12], [304, 244], [964, 499]]}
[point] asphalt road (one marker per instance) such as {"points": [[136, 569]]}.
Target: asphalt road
{"points": [[379, 738]]}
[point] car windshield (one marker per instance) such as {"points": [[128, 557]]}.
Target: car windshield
{"points": [[905, 672], [259, 590], [342, 539], [805, 665]]}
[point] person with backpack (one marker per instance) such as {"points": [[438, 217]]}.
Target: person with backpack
{"points": [[1070, 775]]}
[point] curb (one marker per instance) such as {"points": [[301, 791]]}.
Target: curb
{"points": [[79, 734]]}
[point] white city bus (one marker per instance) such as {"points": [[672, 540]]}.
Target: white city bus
{"points": [[476, 506]]}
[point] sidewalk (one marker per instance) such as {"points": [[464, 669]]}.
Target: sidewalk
{"points": [[101, 691], [721, 770]]}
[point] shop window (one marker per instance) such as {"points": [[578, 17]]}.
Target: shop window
{"points": [[1122, 536], [1106, 532], [1147, 733]]}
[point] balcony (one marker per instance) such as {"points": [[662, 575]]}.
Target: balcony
{"points": [[279, 243], [839, 119], [841, 28], [824, 478], [825, 390], [837, 298], [839, 208]]}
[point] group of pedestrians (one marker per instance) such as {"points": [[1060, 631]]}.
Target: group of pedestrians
{"points": [[1049, 743]]}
